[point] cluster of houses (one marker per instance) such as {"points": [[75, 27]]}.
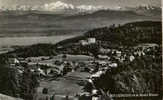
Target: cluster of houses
{"points": [[110, 58], [49, 66]]}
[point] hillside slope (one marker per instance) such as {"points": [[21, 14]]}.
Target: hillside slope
{"points": [[5, 97], [127, 34]]}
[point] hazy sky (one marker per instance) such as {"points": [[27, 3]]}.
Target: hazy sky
{"points": [[105, 3]]}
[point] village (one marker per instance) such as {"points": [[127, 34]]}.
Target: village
{"points": [[65, 75]]}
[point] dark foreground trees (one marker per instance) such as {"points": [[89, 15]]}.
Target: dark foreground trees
{"points": [[16, 84], [9, 81]]}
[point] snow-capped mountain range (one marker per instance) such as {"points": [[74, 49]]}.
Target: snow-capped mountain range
{"points": [[66, 8], [54, 7]]}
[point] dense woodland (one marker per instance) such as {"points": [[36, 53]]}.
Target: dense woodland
{"points": [[143, 75]]}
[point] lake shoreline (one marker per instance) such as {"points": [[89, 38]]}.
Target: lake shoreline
{"points": [[24, 41]]}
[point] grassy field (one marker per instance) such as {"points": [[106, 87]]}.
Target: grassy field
{"points": [[78, 58], [67, 85]]}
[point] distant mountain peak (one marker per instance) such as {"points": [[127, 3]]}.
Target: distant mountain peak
{"points": [[57, 6], [143, 7]]}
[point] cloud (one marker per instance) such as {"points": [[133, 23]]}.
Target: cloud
{"points": [[57, 6]]}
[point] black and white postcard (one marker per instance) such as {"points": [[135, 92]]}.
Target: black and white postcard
{"points": [[81, 50]]}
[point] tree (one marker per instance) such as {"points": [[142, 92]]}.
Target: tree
{"points": [[29, 83], [45, 91], [9, 81]]}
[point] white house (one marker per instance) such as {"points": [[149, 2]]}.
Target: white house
{"points": [[103, 57], [113, 65], [105, 51], [13, 61], [132, 58], [83, 42], [91, 40], [97, 74]]}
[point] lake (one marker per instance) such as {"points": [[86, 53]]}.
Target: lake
{"points": [[21, 41], [6, 43]]}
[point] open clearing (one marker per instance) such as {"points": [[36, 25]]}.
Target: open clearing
{"points": [[66, 85]]}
